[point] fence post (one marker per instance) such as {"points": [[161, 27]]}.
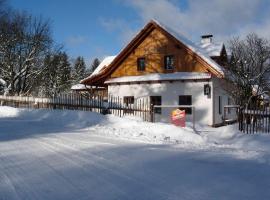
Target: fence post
{"points": [[152, 118]]}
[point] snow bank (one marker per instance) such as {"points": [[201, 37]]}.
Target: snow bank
{"points": [[135, 129], [6, 112], [230, 136], [131, 128], [109, 125]]}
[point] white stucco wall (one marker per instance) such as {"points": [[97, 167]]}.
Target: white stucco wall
{"points": [[170, 91], [219, 91]]}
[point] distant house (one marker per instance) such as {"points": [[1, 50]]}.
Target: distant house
{"points": [[162, 65]]}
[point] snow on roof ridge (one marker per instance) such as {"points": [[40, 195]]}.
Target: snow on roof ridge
{"points": [[201, 52], [161, 76], [212, 48]]}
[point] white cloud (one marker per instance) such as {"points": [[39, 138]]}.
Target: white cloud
{"points": [[223, 18], [121, 26], [75, 40]]}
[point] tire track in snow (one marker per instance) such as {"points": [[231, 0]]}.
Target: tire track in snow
{"points": [[113, 169], [74, 160], [7, 189]]}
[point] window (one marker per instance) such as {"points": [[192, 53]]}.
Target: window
{"points": [[186, 100], [219, 105], [156, 100], [128, 100], [141, 64], [169, 62]]}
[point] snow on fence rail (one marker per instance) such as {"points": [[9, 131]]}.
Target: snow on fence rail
{"points": [[106, 105]]}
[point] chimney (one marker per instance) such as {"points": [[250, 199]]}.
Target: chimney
{"points": [[206, 39]]}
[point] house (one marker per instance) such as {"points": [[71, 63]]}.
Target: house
{"points": [[94, 89], [162, 65]]}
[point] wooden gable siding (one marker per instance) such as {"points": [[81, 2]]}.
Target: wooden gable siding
{"points": [[153, 48]]}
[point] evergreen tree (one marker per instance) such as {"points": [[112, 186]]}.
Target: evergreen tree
{"points": [[94, 64], [79, 72], [64, 73], [56, 75]]}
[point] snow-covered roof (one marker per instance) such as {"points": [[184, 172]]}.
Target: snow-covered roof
{"points": [[105, 62], [212, 48], [161, 77], [84, 87], [80, 87], [198, 50]]}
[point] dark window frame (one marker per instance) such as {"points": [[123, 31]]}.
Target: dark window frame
{"points": [[128, 100], [185, 100], [169, 62], [156, 100], [140, 67], [220, 105], [229, 103]]}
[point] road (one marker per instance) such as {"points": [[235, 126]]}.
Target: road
{"points": [[80, 164]]}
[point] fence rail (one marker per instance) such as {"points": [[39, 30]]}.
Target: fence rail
{"points": [[106, 105]]}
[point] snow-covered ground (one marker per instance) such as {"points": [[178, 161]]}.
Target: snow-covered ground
{"points": [[81, 155]]}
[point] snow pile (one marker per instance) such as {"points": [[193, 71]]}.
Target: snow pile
{"points": [[109, 125], [131, 128], [230, 136], [7, 112], [135, 129]]}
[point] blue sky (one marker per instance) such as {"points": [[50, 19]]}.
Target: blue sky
{"points": [[98, 28]]}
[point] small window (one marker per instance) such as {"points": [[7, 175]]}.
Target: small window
{"points": [[156, 100], [186, 100], [128, 100], [141, 64], [169, 62], [219, 105]]}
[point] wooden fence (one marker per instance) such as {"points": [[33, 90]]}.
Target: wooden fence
{"points": [[106, 105], [254, 119]]}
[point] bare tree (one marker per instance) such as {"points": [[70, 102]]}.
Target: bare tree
{"points": [[24, 42], [247, 74]]}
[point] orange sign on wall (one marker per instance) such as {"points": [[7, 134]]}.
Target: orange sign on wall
{"points": [[178, 117]]}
